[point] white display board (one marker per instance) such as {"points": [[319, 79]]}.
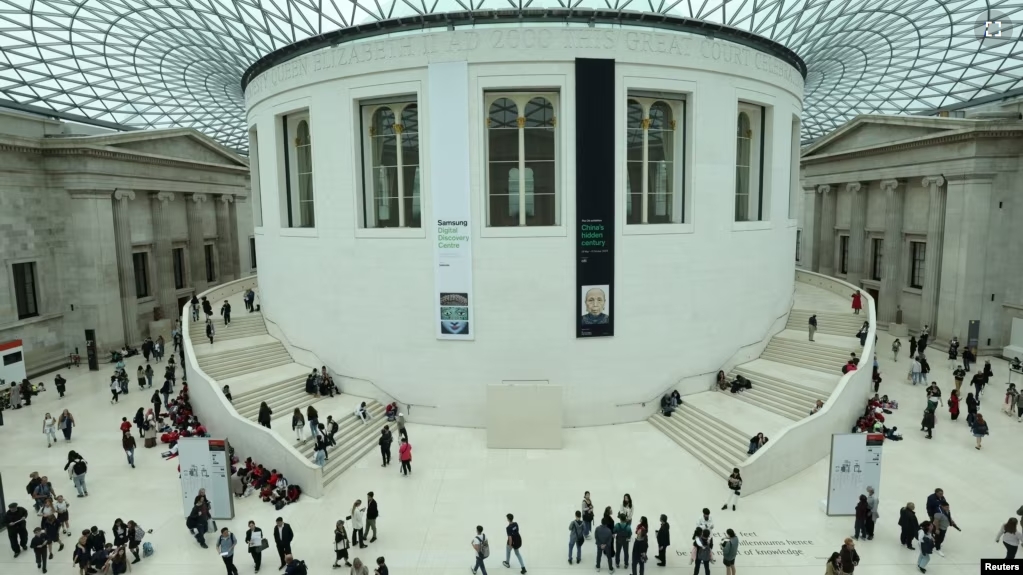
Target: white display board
{"points": [[449, 186], [855, 465], [12, 361], [205, 464]]}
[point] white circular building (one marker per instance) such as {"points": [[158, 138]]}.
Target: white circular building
{"points": [[602, 205]]}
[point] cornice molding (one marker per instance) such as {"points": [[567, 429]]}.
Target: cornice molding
{"points": [[65, 149], [918, 143]]}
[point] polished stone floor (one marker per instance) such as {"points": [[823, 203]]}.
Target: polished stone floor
{"points": [[428, 519]]}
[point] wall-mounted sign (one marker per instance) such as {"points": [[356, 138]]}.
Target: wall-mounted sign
{"points": [[855, 465], [206, 464]]}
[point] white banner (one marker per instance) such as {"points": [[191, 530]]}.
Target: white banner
{"points": [[855, 465], [448, 102], [205, 464]]}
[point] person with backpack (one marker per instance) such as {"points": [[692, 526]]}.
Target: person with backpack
{"points": [[135, 535], [926, 545], [225, 545], [604, 539], [622, 533], [482, 548], [514, 543], [576, 537], [78, 467]]}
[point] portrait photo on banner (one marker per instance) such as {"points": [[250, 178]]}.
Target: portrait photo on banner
{"points": [[596, 308]]}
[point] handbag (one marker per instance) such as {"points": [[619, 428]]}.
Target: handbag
{"points": [[264, 545], [211, 526]]}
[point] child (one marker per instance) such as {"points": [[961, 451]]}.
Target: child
{"points": [[39, 543], [63, 515], [696, 546], [1011, 397]]}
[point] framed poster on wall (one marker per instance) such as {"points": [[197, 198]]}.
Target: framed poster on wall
{"points": [[449, 185], [595, 197]]}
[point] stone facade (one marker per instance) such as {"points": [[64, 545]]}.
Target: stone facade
{"points": [[80, 206], [924, 213]]}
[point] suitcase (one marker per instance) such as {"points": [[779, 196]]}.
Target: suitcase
{"points": [[150, 442]]}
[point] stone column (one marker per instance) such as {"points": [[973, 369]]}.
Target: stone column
{"points": [[811, 224], [827, 238], [857, 229], [162, 252], [932, 261], [196, 242], [225, 240], [125, 266], [891, 276]]}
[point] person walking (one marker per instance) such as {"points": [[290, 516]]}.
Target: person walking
{"points": [[210, 330], [576, 537], [916, 370], [225, 545], [149, 375], [482, 548], [385, 446], [207, 308], [953, 404], [942, 521], [604, 540], [199, 518], [622, 533], [908, 524], [980, 429], [61, 384], [225, 310], [128, 444], [663, 541], [872, 517], [358, 568], [927, 545], [850, 558], [282, 540], [115, 389], [320, 449], [66, 422], [587, 514], [255, 541], [372, 512], [896, 346], [1009, 535], [15, 521], [313, 418], [857, 302], [812, 328], [405, 456], [514, 543], [298, 423], [358, 519], [729, 549], [61, 506], [734, 488], [264, 415], [971, 409], [50, 429], [140, 420], [39, 544], [968, 358], [341, 544], [927, 423], [79, 467], [640, 545]]}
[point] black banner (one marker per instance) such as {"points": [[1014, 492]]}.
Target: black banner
{"points": [[595, 196]]}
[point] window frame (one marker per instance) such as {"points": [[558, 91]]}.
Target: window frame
{"points": [[521, 96], [142, 280], [183, 275], [876, 258], [799, 244], [795, 188], [367, 108], [843, 254], [286, 121], [917, 266], [33, 310], [679, 104], [254, 183], [252, 253], [756, 114], [210, 261]]}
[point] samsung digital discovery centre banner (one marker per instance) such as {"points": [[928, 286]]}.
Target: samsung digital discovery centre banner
{"points": [[595, 197], [449, 187]]}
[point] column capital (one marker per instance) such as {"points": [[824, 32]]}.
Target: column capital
{"points": [[226, 198], [823, 189], [889, 185], [937, 181], [124, 195], [853, 187], [198, 198], [163, 197]]}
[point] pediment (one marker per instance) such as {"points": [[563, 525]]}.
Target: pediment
{"points": [[179, 146], [869, 134]]}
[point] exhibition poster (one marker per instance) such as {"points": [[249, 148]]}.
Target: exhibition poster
{"points": [[449, 186], [855, 465]]}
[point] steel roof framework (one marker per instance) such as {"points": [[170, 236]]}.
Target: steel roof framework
{"points": [[179, 63]]}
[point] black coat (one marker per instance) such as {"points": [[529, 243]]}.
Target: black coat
{"points": [[248, 538], [19, 514], [264, 414], [663, 536], [371, 510], [288, 535], [908, 522]]}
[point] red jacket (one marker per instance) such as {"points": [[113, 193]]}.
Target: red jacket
{"points": [[125, 426], [405, 452]]}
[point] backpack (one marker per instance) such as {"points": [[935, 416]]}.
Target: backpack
{"points": [[147, 549], [516, 538], [926, 546], [622, 532], [80, 467], [484, 546], [300, 568]]}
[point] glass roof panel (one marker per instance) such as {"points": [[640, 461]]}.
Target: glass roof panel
{"points": [[163, 63]]}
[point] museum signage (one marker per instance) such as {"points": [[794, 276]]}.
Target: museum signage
{"points": [[449, 185], [595, 197]]}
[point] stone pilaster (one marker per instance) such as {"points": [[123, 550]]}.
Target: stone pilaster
{"points": [[827, 237], [225, 240], [125, 266], [162, 253], [239, 245], [932, 262], [810, 258], [196, 242], [857, 229], [891, 276]]}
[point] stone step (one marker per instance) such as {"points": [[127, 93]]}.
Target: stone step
{"points": [[283, 402], [813, 349], [765, 400], [349, 427], [242, 356], [361, 441], [229, 334], [765, 379], [222, 373], [828, 324], [804, 361], [703, 437], [250, 401]]}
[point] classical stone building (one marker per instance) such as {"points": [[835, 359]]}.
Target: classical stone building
{"points": [[925, 214], [111, 231]]}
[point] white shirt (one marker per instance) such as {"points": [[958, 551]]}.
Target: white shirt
{"points": [[1010, 539], [357, 518], [49, 423], [705, 523]]}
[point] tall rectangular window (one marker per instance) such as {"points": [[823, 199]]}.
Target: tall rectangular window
{"points": [[298, 208], [918, 259], [799, 243], [749, 161], [843, 254], [257, 198], [391, 174], [795, 190], [179, 267], [522, 152], [655, 158], [877, 258], [25, 290], [252, 253], [140, 261], [211, 264]]}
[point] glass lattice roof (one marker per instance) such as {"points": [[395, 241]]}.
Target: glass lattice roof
{"points": [[178, 63]]}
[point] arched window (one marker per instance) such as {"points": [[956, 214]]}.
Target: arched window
{"points": [[523, 145], [653, 195], [391, 195], [743, 166], [304, 172]]}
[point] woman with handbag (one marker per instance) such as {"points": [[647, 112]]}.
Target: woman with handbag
{"points": [[587, 511], [640, 546], [256, 543], [341, 544]]}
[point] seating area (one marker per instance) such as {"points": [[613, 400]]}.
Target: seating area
{"points": [[788, 378]]}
